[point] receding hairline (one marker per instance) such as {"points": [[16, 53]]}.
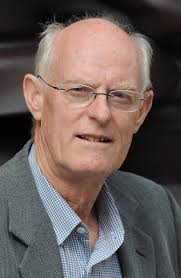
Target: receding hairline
{"points": [[55, 31], [90, 22], [90, 26]]}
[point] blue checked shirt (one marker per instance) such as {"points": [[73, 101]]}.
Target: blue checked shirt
{"points": [[77, 258]]}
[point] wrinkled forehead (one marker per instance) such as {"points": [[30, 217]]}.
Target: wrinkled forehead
{"points": [[94, 40]]}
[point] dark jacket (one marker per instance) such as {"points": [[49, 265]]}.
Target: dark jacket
{"points": [[28, 247]]}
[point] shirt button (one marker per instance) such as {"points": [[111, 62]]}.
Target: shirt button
{"points": [[81, 230], [88, 271]]}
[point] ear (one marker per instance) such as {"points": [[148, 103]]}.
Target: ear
{"points": [[33, 95], [144, 110]]}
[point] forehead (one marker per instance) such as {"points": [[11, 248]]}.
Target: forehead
{"points": [[94, 48]]}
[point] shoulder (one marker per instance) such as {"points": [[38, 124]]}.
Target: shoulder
{"points": [[126, 182], [147, 193], [155, 207], [14, 169]]}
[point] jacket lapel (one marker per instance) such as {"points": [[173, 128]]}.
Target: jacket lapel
{"points": [[33, 234], [42, 259], [136, 255]]}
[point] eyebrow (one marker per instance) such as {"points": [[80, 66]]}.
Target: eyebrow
{"points": [[94, 86], [128, 89], [125, 88], [73, 81]]}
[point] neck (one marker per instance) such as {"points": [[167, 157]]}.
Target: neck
{"points": [[79, 191]]}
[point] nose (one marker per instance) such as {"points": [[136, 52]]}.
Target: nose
{"points": [[99, 109]]}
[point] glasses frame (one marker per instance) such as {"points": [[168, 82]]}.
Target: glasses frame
{"points": [[142, 98]]}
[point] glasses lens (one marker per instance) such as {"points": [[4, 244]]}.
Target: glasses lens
{"points": [[79, 94], [125, 100]]}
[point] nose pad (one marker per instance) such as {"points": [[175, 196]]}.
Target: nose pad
{"points": [[96, 95]]}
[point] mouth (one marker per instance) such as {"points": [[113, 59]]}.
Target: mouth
{"points": [[95, 138]]}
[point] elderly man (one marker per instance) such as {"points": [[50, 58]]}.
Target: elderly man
{"points": [[65, 210]]}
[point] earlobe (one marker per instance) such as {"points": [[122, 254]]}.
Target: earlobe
{"points": [[33, 96], [144, 110]]}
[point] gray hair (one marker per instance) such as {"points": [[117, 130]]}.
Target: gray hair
{"points": [[44, 54]]}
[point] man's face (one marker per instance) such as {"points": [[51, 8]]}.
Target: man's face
{"points": [[103, 58]]}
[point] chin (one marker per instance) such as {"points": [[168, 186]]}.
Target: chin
{"points": [[89, 166], [96, 170]]}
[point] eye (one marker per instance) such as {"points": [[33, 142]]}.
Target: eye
{"points": [[119, 94], [79, 91], [123, 96]]}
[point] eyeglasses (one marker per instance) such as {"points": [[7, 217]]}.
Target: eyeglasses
{"points": [[83, 95]]}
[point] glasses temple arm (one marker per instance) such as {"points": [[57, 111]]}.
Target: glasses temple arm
{"points": [[54, 87]]}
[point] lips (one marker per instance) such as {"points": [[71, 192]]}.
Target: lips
{"points": [[95, 138]]}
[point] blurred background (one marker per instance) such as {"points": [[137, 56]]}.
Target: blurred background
{"points": [[156, 150]]}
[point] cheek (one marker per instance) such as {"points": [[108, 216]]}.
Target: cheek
{"points": [[58, 122], [125, 131], [53, 121], [125, 124]]}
